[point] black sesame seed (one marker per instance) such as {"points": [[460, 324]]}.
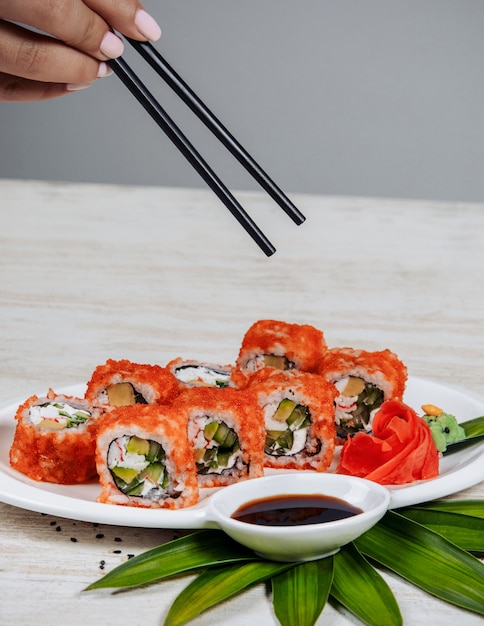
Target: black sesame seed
{"points": [[116, 551], [118, 539], [58, 529], [73, 539], [130, 556], [99, 536]]}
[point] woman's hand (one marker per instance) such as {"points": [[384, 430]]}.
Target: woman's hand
{"points": [[72, 53]]}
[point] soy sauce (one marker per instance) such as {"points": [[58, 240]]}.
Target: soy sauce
{"points": [[294, 510]]}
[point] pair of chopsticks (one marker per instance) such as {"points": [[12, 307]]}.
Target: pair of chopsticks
{"points": [[188, 96]]}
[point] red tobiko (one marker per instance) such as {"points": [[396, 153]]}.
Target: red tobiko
{"points": [[400, 450]]}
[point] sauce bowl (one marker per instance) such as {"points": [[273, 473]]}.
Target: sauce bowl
{"points": [[303, 542]]}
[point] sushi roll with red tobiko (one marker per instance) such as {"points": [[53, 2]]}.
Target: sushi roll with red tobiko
{"points": [[298, 414], [144, 459], [279, 345], [124, 383], [55, 439], [363, 380], [191, 373], [226, 430]]}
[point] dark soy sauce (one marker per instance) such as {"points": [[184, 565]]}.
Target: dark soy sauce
{"points": [[294, 510]]}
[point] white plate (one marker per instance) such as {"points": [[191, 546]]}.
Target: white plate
{"points": [[458, 471]]}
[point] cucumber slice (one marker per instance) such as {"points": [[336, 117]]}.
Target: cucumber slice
{"points": [[221, 432], [223, 458], [135, 488], [154, 472], [156, 452], [299, 418], [225, 436]]}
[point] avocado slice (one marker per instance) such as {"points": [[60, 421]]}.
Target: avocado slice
{"points": [[121, 394], [284, 410], [278, 362], [353, 387], [210, 430], [127, 474], [137, 445]]}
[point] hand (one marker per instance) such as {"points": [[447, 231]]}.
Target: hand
{"points": [[72, 53]]}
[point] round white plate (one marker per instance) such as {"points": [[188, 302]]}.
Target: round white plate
{"points": [[458, 471]]}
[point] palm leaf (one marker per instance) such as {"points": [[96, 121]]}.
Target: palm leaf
{"points": [[465, 531], [475, 427], [427, 559], [216, 585], [197, 550], [361, 589], [300, 593], [464, 507]]}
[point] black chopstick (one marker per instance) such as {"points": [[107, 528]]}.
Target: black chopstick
{"points": [[190, 98], [152, 106]]}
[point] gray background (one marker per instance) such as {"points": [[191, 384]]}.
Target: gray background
{"points": [[351, 97]]}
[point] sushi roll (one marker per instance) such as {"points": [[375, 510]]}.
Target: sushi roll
{"points": [[55, 439], [190, 373], [363, 380], [280, 345], [144, 459], [123, 383], [226, 430], [298, 413]]}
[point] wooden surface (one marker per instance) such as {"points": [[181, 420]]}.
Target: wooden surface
{"points": [[92, 272]]}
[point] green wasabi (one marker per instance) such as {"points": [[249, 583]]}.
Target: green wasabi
{"points": [[444, 427]]}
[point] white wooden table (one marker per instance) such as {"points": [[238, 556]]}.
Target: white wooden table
{"points": [[91, 272]]}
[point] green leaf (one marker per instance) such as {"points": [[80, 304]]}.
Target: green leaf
{"points": [[464, 507], [474, 431], [426, 559], [465, 531], [361, 589], [475, 427], [197, 550], [300, 593], [215, 585]]}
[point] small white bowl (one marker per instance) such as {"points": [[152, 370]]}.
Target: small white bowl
{"points": [[299, 542]]}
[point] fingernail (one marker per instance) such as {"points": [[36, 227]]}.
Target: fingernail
{"points": [[104, 70], [77, 86], [111, 45], [147, 26]]}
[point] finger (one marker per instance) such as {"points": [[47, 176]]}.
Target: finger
{"points": [[128, 17], [37, 57], [16, 89], [70, 21]]}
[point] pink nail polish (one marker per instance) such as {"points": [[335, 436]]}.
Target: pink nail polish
{"points": [[77, 86], [104, 70], [147, 26], [111, 45]]}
